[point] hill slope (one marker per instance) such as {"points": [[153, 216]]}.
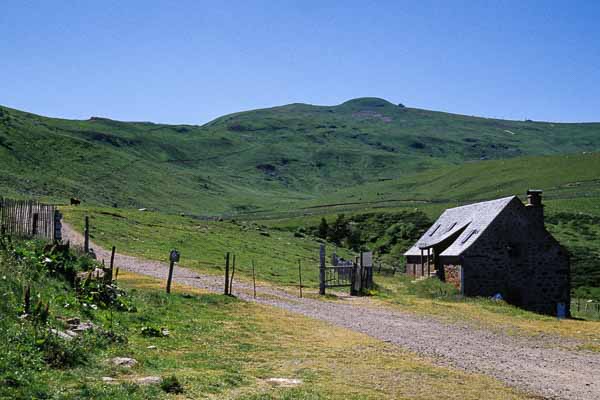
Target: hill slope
{"points": [[267, 159]]}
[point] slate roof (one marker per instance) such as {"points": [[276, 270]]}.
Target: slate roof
{"points": [[472, 219]]}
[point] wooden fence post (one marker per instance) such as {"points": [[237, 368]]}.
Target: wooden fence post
{"points": [[57, 226], [112, 262], [362, 273], [322, 269], [253, 279], [300, 276], [232, 274], [86, 235], [34, 224], [226, 291]]}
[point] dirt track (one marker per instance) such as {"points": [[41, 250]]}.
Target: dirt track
{"points": [[536, 365]]}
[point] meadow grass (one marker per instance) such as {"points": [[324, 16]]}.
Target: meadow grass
{"points": [[223, 348], [203, 244], [217, 346]]}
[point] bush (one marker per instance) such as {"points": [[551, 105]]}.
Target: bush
{"points": [[60, 353], [433, 288], [98, 293], [171, 384]]}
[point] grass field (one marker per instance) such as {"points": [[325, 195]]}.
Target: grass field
{"points": [[276, 246], [151, 234], [203, 244], [217, 347]]}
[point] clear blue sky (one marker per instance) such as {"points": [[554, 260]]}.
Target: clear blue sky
{"points": [[191, 61]]}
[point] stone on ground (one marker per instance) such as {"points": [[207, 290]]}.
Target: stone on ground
{"points": [[124, 362]]}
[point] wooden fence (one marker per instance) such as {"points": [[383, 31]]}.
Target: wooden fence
{"points": [[27, 218]]}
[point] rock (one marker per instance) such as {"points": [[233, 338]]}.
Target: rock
{"points": [[149, 380], [85, 326], [285, 382], [73, 321], [108, 379], [124, 362], [151, 347], [61, 334], [98, 273]]}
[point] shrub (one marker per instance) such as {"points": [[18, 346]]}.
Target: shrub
{"points": [[171, 384], [433, 288], [60, 353]]}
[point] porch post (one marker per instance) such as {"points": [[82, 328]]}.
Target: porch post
{"points": [[428, 262]]}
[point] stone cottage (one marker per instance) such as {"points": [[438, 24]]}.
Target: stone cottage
{"points": [[497, 247]]}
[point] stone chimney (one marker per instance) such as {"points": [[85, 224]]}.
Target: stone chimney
{"points": [[535, 206]]}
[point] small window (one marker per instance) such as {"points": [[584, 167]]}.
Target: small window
{"points": [[473, 232], [451, 227], [435, 230]]}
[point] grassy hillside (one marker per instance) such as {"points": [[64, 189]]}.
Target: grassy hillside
{"points": [[560, 176], [263, 159]]}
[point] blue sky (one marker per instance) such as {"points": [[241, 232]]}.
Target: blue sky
{"points": [[191, 61]]}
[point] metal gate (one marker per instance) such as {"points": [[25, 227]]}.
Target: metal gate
{"points": [[355, 276]]}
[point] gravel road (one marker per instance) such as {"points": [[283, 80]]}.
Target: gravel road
{"points": [[537, 365]]}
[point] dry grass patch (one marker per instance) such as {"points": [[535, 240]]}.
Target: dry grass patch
{"points": [[254, 343]]}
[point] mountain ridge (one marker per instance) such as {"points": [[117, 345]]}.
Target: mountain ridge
{"points": [[265, 158]]}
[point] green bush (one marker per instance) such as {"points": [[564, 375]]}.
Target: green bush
{"points": [[171, 384], [433, 288]]}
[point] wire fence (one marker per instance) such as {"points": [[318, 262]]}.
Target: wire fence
{"points": [[585, 307]]}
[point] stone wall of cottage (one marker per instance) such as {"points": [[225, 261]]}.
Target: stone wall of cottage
{"points": [[452, 274], [516, 257]]}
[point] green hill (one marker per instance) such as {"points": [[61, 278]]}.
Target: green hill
{"points": [[571, 176], [265, 159]]}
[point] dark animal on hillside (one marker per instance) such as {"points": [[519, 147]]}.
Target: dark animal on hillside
{"points": [[75, 202]]}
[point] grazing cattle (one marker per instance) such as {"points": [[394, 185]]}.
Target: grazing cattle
{"points": [[75, 202]]}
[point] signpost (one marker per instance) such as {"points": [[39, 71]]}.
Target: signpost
{"points": [[173, 257]]}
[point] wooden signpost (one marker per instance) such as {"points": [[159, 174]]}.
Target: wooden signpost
{"points": [[173, 257]]}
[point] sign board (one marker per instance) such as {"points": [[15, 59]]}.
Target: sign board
{"points": [[367, 259], [561, 310], [174, 256]]}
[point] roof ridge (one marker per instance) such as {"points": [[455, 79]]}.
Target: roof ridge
{"points": [[483, 202]]}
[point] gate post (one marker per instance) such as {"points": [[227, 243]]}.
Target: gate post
{"points": [[322, 269], [355, 280]]}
